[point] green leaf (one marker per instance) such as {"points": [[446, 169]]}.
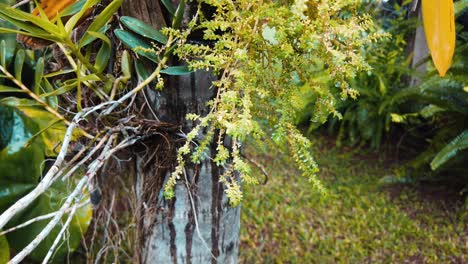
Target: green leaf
{"points": [[48, 88], [17, 130], [3, 54], [38, 75], [141, 70], [52, 136], [102, 19], [16, 16], [92, 37], [71, 23], [11, 191], [143, 29], [73, 9], [8, 89], [104, 53], [179, 13], [4, 250], [126, 65], [49, 202], [10, 40], [176, 70], [139, 46], [19, 63], [459, 143], [102, 57], [170, 8]]}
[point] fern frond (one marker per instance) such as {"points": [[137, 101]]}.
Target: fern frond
{"points": [[450, 150]]}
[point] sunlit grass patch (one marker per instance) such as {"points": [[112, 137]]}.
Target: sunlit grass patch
{"points": [[362, 220]]}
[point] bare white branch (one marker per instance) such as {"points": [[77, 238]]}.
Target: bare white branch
{"points": [[39, 218], [46, 181], [60, 234]]}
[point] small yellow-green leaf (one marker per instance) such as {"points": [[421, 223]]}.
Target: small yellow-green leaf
{"points": [[19, 62], [3, 54], [4, 250], [126, 66], [102, 58], [8, 89], [38, 75]]}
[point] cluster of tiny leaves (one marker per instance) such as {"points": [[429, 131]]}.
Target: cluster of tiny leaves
{"points": [[266, 53]]}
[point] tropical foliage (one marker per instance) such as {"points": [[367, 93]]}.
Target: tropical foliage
{"points": [[263, 64]]}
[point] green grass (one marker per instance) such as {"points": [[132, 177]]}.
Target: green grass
{"points": [[361, 221]]}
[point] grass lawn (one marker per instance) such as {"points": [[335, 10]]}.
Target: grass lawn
{"points": [[363, 220]]}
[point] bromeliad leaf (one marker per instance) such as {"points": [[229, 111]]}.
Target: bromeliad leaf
{"points": [[143, 29]]}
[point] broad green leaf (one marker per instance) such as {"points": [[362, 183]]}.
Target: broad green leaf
{"points": [[102, 19], [11, 191], [4, 250], [17, 130], [143, 29], [136, 44], [34, 113], [176, 70], [51, 201]]}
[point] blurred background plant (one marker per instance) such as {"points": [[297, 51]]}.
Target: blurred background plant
{"points": [[426, 119]]}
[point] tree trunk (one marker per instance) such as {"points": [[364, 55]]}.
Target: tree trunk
{"points": [[198, 225]]}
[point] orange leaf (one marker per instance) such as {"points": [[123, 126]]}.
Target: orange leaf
{"points": [[439, 26]]}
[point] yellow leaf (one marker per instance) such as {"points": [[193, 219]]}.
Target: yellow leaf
{"points": [[439, 26]]}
